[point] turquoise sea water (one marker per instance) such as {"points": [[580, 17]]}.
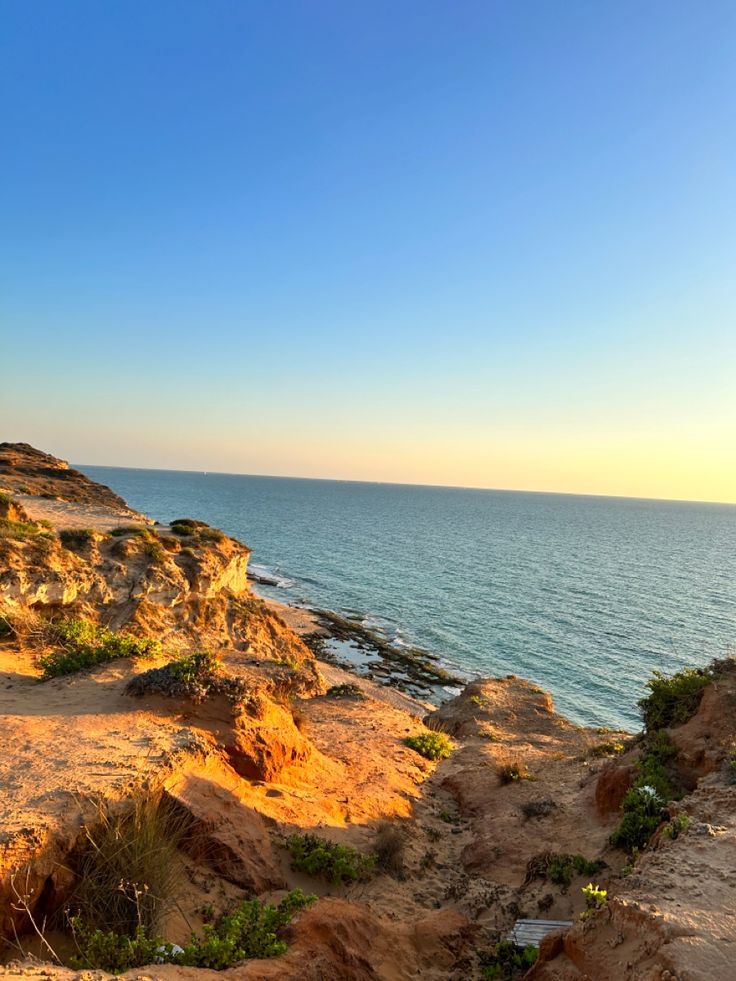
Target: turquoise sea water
{"points": [[584, 595]]}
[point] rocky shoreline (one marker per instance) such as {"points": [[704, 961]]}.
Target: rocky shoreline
{"points": [[139, 674]]}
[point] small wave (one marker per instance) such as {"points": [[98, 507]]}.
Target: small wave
{"points": [[269, 577]]}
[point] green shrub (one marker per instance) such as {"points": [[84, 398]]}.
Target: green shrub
{"points": [[199, 530], [509, 961], [73, 538], [85, 644], [135, 531], [678, 824], [562, 867], [644, 804], [643, 812], [115, 952], [186, 526], [251, 931], [673, 700], [430, 745], [197, 676], [336, 863]]}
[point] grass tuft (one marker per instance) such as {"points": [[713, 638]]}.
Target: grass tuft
{"points": [[74, 538]]}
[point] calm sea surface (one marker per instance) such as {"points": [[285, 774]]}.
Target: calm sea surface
{"points": [[583, 595]]}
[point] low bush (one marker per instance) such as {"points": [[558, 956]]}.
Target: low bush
{"points": [[430, 745], [673, 700], [115, 952], [328, 860], [155, 552], [537, 808], [563, 867], [84, 644], [197, 676], [643, 813], [509, 961], [389, 847], [135, 531], [610, 748], [251, 931], [511, 771], [186, 526], [345, 691], [73, 538]]}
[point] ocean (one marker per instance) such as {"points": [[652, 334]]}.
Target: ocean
{"points": [[586, 596]]}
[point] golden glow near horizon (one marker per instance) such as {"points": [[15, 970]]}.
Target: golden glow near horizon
{"points": [[690, 464]]}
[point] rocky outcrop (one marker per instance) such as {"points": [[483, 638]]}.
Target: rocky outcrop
{"points": [[27, 471]]}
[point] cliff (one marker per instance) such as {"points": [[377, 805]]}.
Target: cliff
{"points": [[140, 676]]}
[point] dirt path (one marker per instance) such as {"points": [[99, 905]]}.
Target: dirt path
{"points": [[64, 514]]}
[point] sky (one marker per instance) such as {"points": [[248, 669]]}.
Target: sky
{"points": [[482, 244]]}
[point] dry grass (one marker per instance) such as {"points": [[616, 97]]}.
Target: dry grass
{"points": [[389, 847], [130, 873], [26, 627], [513, 770]]}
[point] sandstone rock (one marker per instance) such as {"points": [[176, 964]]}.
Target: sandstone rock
{"points": [[611, 787]]}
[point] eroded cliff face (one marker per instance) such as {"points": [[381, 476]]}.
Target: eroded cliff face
{"points": [[673, 916]]}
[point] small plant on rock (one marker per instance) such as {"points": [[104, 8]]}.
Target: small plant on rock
{"points": [[595, 899], [678, 824], [430, 745]]}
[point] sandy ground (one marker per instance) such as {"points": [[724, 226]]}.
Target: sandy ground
{"points": [[64, 514]]}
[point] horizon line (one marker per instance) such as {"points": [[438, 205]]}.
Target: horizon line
{"points": [[399, 483]]}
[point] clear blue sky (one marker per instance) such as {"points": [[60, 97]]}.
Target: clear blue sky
{"points": [[486, 243]]}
